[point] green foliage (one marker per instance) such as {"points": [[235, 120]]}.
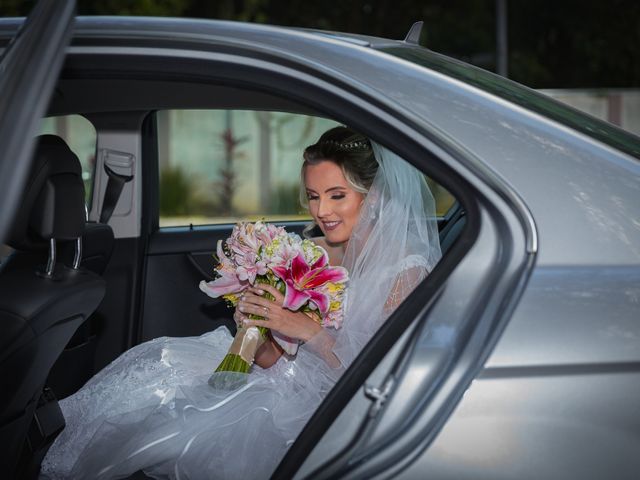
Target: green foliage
{"points": [[161, 8], [16, 8], [204, 204], [175, 192], [568, 44], [285, 199]]}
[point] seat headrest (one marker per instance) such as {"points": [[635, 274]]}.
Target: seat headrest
{"points": [[53, 201]]}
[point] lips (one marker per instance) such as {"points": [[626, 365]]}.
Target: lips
{"points": [[328, 226]]}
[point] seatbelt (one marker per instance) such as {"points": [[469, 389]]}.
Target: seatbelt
{"points": [[115, 185]]}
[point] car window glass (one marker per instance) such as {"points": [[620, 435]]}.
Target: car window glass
{"points": [[221, 166], [80, 135], [444, 199]]}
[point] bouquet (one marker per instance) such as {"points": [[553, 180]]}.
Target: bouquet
{"points": [[260, 253]]}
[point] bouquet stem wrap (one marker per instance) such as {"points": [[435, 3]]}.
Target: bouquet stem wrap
{"points": [[239, 358]]}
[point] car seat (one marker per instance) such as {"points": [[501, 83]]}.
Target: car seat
{"points": [[41, 304]]}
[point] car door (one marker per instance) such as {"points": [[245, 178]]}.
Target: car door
{"points": [[29, 69], [172, 303]]}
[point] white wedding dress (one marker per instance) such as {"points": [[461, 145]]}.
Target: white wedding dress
{"points": [[153, 410]]}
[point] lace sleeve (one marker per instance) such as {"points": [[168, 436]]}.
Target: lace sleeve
{"points": [[414, 269], [321, 345]]}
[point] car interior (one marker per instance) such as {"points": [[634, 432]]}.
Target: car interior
{"points": [[126, 269]]}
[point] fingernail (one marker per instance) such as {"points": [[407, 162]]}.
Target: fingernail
{"points": [[259, 291]]}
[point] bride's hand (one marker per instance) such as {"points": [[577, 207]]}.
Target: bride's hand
{"points": [[282, 320], [239, 318]]}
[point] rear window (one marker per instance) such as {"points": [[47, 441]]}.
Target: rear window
{"points": [[520, 95], [80, 134], [223, 166]]}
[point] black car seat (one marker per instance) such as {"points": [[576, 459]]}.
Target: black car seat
{"points": [[41, 305], [97, 246], [76, 362]]}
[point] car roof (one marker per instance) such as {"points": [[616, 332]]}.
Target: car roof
{"points": [[177, 31]]}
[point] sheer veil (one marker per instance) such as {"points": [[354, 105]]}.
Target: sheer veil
{"points": [[392, 249]]}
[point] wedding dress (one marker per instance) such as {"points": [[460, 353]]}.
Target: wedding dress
{"points": [[153, 410]]}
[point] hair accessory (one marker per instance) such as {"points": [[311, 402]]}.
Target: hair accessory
{"points": [[356, 145]]}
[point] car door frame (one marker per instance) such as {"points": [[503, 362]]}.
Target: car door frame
{"points": [[29, 71]]}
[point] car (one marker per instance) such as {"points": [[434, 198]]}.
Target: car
{"points": [[518, 357]]}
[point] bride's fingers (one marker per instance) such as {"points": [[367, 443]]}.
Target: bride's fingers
{"points": [[272, 290], [249, 299], [260, 323], [239, 317], [249, 308]]}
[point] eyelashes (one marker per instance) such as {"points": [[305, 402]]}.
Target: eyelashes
{"points": [[339, 196]]}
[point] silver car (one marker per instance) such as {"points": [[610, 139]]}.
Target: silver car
{"points": [[519, 357]]}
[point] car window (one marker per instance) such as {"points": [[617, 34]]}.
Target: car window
{"points": [[80, 135], [221, 166], [444, 200]]}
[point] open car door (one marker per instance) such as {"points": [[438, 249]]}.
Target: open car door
{"points": [[29, 69]]}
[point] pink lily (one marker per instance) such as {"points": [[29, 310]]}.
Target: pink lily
{"points": [[267, 232], [249, 266], [227, 282], [302, 281]]}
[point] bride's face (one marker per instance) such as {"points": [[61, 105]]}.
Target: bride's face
{"points": [[333, 203]]}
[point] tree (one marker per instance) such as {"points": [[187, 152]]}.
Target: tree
{"points": [[562, 44]]}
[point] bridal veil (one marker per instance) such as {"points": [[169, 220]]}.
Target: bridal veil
{"points": [[392, 248]]}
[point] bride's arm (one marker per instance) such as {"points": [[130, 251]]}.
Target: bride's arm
{"points": [[406, 281], [322, 344], [268, 353]]}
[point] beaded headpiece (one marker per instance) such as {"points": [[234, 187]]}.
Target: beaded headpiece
{"points": [[350, 146]]}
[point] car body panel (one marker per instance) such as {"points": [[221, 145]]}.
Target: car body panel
{"points": [[574, 316], [541, 426]]}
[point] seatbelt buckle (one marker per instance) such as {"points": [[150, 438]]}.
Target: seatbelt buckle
{"points": [[120, 168]]}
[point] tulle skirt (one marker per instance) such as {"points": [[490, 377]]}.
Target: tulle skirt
{"points": [[153, 410]]}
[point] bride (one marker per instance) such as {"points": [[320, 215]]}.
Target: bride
{"points": [[152, 408]]}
